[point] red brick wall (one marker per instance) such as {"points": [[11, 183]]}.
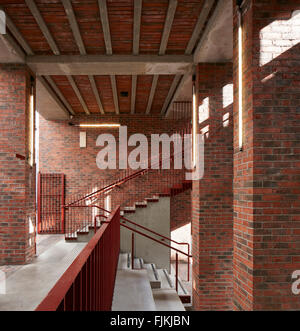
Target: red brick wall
{"points": [[212, 211], [266, 172], [17, 185], [180, 209], [60, 152]]}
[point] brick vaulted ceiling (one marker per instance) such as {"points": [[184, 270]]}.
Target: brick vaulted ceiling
{"points": [[164, 28]]}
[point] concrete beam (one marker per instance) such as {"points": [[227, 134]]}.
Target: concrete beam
{"points": [[105, 26], [110, 65], [74, 26], [96, 93], [17, 35], [42, 25], [216, 44], [77, 36], [59, 94], [77, 92], [41, 101], [115, 93], [178, 89], [171, 92], [137, 25], [168, 26], [133, 93], [208, 4], [152, 93], [11, 51]]}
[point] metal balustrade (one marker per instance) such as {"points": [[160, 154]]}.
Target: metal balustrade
{"points": [[88, 284]]}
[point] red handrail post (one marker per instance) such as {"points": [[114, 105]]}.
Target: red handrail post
{"points": [[39, 203], [176, 273], [188, 268], [132, 251], [62, 203]]}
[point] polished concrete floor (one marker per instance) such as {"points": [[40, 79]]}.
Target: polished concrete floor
{"points": [[27, 285]]}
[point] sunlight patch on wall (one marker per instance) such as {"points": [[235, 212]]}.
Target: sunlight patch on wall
{"points": [[278, 37], [227, 95], [203, 111]]}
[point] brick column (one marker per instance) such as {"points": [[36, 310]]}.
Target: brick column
{"points": [[266, 172], [212, 211], [17, 184]]}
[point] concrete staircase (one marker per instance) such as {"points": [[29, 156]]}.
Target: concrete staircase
{"points": [[176, 189], [157, 286]]}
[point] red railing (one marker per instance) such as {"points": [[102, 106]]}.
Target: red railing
{"points": [[88, 284], [132, 186], [161, 241], [51, 199]]}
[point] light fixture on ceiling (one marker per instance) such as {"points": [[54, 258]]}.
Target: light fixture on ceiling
{"points": [[103, 125]]}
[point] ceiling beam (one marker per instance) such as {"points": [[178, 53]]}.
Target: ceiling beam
{"points": [[219, 10], [54, 95], [171, 92], [74, 26], [49, 85], [105, 26], [133, 93], [152, 93], [17, 35], [115, 93], [110, 65], [80, 44], [179, 80], [208, 4], [77, 92], [42, 25], [96, 93], [168, 26], [138, 4], [13, 47], [59, 94], [178, 89]]}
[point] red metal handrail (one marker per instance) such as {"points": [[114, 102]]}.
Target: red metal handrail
{"points": [[127, 176], [88, 284], [148, 230], [143, 234]]}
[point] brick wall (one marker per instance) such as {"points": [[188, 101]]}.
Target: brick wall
{"points": [[266, 172], [180, 210], [17, 185], [60, 153], [212, 211]]}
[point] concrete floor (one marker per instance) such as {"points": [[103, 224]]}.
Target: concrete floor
{"points": [[27, 285]]}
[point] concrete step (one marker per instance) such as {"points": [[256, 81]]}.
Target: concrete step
{"points": [[167, 300], [128, 210], [133, 291], [123, 261], [168, 282], [141, 204], [153, 275]]}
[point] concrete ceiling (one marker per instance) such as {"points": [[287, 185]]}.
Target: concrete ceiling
{"points": [[132, 44]]}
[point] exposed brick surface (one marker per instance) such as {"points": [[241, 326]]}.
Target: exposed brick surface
{"points": [[17, 185], [180, 209], [212, 212], [266, 172], [60, 153]]}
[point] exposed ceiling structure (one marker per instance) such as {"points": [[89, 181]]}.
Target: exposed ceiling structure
{"points": [[114, 57]]}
